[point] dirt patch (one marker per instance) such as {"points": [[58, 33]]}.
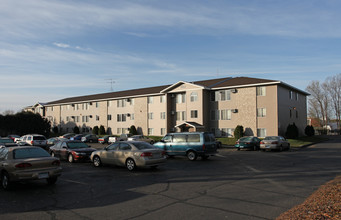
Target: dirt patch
{"points": [[323, 204]]}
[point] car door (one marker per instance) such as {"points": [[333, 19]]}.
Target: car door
{"points": [[122, 154], [63, 150], [179, 145], [108, 155]]}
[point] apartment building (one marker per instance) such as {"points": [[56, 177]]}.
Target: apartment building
{"points": [[263, 107]]}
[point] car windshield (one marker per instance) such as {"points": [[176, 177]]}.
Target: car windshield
{"points": [[23, 153], [75, 145], [246, 139], [6, 141], [271, 138], [143, 145]]}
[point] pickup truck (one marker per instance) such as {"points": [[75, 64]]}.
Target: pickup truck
{"points": [[122, 137]]}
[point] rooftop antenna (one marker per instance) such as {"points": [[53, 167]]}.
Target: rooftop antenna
{"points": [[111, 81]]}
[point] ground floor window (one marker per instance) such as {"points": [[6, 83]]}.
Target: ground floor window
{"points": [[223, 132], [261, 132], [163, 131], [150, 131]]}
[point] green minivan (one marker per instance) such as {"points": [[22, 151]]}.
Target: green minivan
{"points": [[190, 144]]}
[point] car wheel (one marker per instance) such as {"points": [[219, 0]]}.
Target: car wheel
{"points": [[238, 148], [191, 155], [97, 161], [51, 180], [151, 142], [5, 182], [130, 164], [70, 158]]}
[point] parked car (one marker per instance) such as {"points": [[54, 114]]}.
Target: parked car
{"points": [[7, 142], [35, 140], [122, 137], [190, 144], [249, 142], [27, 163], [141, 138], [71, 151], [104, 139], [67, 135], [274, 143], [77, 137], [54, 140], [131, 154], [92, 138], [13, 136]]}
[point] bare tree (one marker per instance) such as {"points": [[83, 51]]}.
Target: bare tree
{"points": [[333, 87], [319, 99]]}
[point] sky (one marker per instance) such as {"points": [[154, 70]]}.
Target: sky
{"points": [[54, 49]]}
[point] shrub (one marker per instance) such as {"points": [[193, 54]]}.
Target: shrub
{"points": [[292, 131], [238, 132], [76, 130], [95, 130], [309, 130], [101, 130], [55, 129], [133, 130]]}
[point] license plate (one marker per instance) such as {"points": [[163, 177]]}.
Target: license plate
{"points": [[43, 175]]}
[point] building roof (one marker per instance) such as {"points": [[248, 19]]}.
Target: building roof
{"points": [[220, 83]]}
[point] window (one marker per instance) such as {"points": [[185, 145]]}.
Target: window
{"points": [[150, 131], [97, 104], [194, 114], [119, 130], [261, 132], [150, 100], [132, 116], [163, 131], [290, 94], [193, 138], [132, 101], [296, 96], [163, 115], [194, 96], [227, 132], [121, 103], [180, 98], [181, 116], [97, 118], [109, 103], [85, 118], [121, 117], [76, 118], [150, 115], [179, 138], [261, 91], [67, 118], [261, 112], [162, 99], [225, 114], [109, 117]]}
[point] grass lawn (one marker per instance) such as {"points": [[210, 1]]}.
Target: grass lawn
{"points": [[301, 141]]}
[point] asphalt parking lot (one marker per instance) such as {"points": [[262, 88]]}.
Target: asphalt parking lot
{"points": [[232, 185]]}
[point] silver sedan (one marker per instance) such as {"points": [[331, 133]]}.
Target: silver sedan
{"points": [[131, 154], [27, 163], [274, 143]]}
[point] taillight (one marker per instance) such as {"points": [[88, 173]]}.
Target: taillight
{"points": [[203, 147], [261, 142], [248, 143], [163, 153], [56, 163], [146, 154], [23, 165], [32, 142]]}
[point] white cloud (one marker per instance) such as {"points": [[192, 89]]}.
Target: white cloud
{"points": [[61, 45], [36, 18]]}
